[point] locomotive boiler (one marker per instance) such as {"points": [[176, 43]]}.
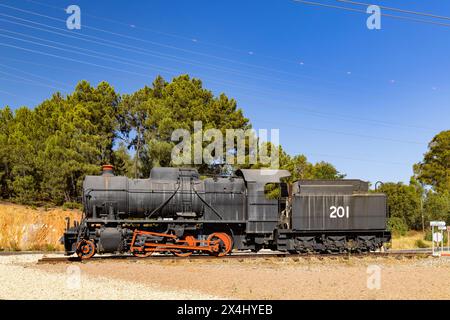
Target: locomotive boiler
{"points": [[177, 211]]}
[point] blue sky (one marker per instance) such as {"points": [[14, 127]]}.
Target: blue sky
{"points": [[367, 101]]}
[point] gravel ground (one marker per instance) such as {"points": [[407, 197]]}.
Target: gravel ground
{"points": [[20, 280], [271, 278], [276, 278]]}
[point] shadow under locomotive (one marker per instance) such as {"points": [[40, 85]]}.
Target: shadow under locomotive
{"points": [[178, 212]]}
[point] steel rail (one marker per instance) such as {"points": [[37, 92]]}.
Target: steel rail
{"points": [[240, 257]]}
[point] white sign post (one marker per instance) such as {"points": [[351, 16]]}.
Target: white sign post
{"points": [[437, 237]]}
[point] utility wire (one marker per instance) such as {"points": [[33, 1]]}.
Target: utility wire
{"points": [[397, 9], [193, 39], [170, 57], [320, 114], [92, 39], [154, 42], [29, 80], [308, 128], [167, 46], [238, 85], [296, 108], [364, 11], [355, 159], [99, 41], [15, 95], [344, 133], [147, 52], [35, 75], [345, 117], [86, 49]]}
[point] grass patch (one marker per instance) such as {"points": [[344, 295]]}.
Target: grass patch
{"points": [[412, 239]]}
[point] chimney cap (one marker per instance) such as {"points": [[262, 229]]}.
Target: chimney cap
{"points": [[107, 167], [107, 170]]}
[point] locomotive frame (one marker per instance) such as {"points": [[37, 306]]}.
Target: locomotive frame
{"points": [[174, 211]]}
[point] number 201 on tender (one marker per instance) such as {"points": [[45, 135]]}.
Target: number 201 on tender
{"points": [[339, 212]]}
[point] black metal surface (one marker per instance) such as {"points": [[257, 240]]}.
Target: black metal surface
{"points": [[177, 201], [339, 212]]}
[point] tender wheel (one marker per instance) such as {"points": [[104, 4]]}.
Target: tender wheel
{"points": [[85, 249], [223, 240], [190, 241]]}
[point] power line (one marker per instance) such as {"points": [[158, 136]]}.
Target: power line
{"points": [[177, 36], [353, 119], [363, 11], [154, 42], [25, 80], [81, 53], [123, 58], [98, 41], [15, 95], [139, 50], [167, 46], [35, 75], [73, 60], [190, 39], [314, 111], [397, 9], [102, 66], [113, 44], [308, 128], [165, 56], [345, 133], [292, 107], [355, 159]]}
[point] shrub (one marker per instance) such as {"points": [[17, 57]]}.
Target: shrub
{"points": [[397, 226], [421, 244], [71, 205]]}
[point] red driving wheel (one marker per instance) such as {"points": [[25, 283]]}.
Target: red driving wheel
{"points": [[85, 249], [224, 242]]}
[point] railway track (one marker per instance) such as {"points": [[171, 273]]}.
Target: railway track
{"points": [[238, 256]]}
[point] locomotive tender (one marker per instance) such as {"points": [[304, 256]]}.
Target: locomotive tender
{"points": [[176, 211]]}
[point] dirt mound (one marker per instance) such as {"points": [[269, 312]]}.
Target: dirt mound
{"points": [[26, 228]]}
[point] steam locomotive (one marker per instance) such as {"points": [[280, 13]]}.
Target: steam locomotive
{"points": [[176, 211]]}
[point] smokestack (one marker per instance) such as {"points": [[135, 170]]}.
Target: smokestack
{"points": [[107, 170]]}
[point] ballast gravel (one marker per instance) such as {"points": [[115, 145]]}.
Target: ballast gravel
{"points": [[19, 280], [269, 278]]}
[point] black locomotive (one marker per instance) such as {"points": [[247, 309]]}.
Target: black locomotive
{"points": [[178, 212]]}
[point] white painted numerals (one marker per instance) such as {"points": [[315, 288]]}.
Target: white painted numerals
{"points": [[339, 212]]}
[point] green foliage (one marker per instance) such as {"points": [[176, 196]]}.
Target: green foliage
{"points": [[421, 244], [46, 152], [397, 226], [301, 168], [71, 205], [148, 117], [404, 202], [434, 170], [437, 206], [24, 189]]}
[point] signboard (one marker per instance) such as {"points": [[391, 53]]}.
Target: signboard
{"points": [[437, 223], [442, 228], [437, 237]]}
